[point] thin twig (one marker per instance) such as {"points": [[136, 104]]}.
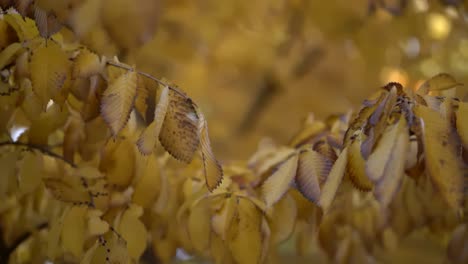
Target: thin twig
{"points": [[39, 148]]}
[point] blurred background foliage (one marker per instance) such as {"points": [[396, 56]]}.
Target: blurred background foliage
{"points": [[258, 67]]}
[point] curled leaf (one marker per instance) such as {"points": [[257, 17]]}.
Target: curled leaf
{"points": [[312, 170], [211, 167]]}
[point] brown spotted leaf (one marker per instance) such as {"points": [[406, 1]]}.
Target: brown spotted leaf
{"points": [[117, 101], [150, 134], [179, 132], [442, 163], [279, 182], [211, 167]]}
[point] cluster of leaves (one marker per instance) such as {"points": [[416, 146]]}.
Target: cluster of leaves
{"points": [[87, 182]]}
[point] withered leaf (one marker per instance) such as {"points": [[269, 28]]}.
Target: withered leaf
{"points": [[312, 170], [117, 101], [47, 22], [179, 132]]}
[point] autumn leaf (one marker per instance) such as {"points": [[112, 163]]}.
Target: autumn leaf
{"points": [[49, 68], [117, 101], [279, 182], [356, 167], [462, 123], [312, 170], [211, 167], [439, 82], [442, 163], [179, 133]]}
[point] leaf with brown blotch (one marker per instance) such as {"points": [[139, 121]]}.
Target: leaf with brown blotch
{"points": [[387, 186], [67, 192], [375, 165], [117, 101], [49, 68], [244, 234], [279, 182], [150, 134], [179, 132], [356, 167], [462, 123], [442, 163], [439, 82], [47, 22], [330, 187], [312, 170], [211, 167]]}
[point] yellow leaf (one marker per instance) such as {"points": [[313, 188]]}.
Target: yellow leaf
{"points": [[148, 185], [279, 182], [118, 162], [330, 187], [211, 167], [199, 226], [49, 68], [313, 168], [439, 82], [150, 134], [25, 28], [377, 160], [179, 133], [133, 231], [117, 101], [394, 171], [70, 192], [244, 235], [31, 172], [87, 64], [356, 167], [462, 123], [283, 219], [73, 230], [8, 55], [442, 163]]}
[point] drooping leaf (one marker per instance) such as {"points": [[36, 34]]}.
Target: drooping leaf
{"points": [[47, 22], [148, 185], [442, 163], [133, 231], [211, 167], [150, 134], [199, 226], [25, 27], [86, 64], [73, 230], [179, 132], [117, 101], [330, 187], [279, 182]]}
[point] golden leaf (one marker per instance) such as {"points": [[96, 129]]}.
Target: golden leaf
{"points": [[179, 132], [49, 71], [442, 163], [73, 230], [462, 123], [199, 226], [211, 167], [394, 168], [356, 167], [279, 182], [150, 134], [313, 168], [117, 101], [8, 55], [25, 28], [439, 82], [244, 235], [133, 231], [283, 219], [148, 185], [330, 187], [377, 160], [31, 172], [70, 192], [87, 64], [118, 162]]}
